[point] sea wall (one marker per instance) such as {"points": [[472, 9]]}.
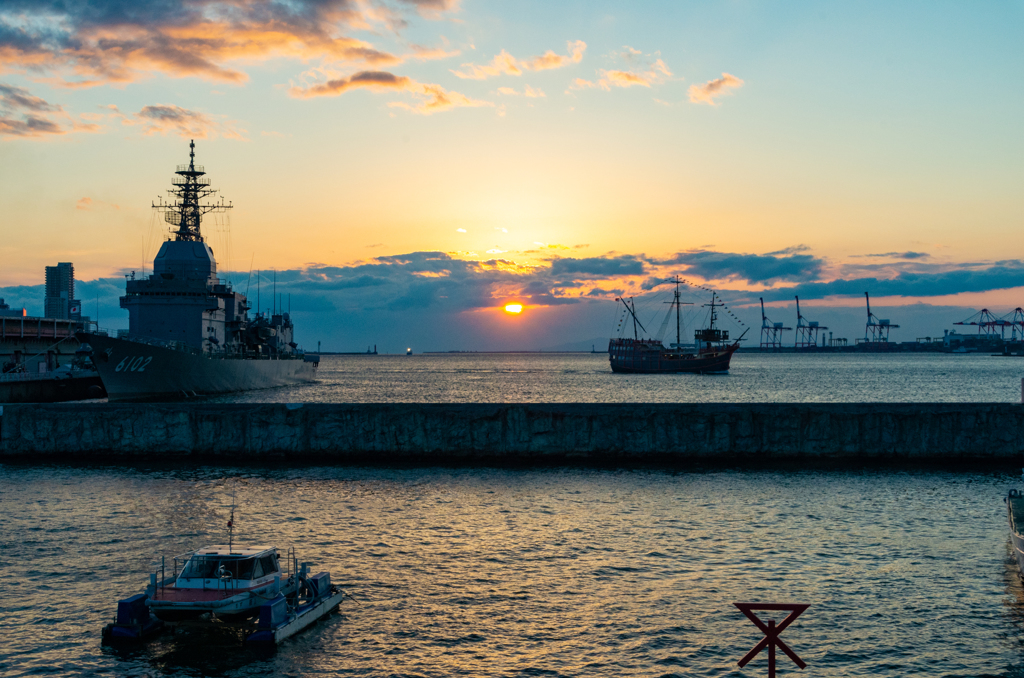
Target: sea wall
{"points": [[519, 432]]}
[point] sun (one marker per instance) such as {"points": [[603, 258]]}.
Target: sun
{"points": [[513, 308]]}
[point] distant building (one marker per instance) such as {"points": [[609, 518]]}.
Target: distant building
{"points": [[60, 302], [8, 312]]}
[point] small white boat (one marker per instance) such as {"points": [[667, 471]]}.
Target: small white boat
{"points": [[230, 581], [1015, 514]]}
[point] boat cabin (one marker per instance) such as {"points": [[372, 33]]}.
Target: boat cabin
{"points": [[229, 567]]}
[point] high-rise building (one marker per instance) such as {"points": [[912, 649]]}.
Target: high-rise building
{"points": [[60, 291]]}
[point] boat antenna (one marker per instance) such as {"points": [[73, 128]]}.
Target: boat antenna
{"points": [[231, 523], [249, 279]]}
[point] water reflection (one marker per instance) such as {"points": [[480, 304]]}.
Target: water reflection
{"points": [[531, 572]]}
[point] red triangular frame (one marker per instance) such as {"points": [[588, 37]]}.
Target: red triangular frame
{"points": [[771, 632]]}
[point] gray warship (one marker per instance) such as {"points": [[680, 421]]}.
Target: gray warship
{"points": [[189, 333]]}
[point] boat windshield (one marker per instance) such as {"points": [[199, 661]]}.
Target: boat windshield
{"points": [[217, 567]]}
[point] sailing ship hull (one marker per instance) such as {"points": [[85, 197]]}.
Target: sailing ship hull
{"points": [[658, 363], [133, 370]]}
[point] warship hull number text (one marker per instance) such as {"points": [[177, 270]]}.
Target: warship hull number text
{"points": [[133, 364]]}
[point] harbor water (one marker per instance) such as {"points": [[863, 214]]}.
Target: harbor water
{"points": [[530, 572], [587, 378], [547, 571]]}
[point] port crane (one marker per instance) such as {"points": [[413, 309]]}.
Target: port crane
{"points": [[989, 324], [876, 330], [1015, 321], [771, 333], [806, 330]]}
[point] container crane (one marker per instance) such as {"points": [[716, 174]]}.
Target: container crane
{"points": [[876, 330], [771, 333], [988, 324], [806, 330]]}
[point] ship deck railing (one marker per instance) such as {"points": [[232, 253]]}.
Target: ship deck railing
{"points": [[215, 353], [33, 376]]}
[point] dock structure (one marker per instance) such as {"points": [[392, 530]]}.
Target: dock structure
{"points": [[513, 433]]}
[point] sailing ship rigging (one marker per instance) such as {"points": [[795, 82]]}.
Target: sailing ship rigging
{"points": [[712, 350]]}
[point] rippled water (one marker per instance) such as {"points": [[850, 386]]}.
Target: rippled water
{"points": [[543, 572], [551, 378]]}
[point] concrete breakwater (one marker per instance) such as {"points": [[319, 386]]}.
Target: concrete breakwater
{"points": [[513, 432]]}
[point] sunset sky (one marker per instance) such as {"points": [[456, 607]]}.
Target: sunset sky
{"points": [[409, 167]]}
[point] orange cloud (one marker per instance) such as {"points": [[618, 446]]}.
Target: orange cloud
{"points": [[502, 63], [435, 99], [551, 60], [430, 98], [655, 75], [706, 93], [105, 41], [429, 53], [505, 63], [88, 204], [527, 92], [378, 80], [433, 9]]}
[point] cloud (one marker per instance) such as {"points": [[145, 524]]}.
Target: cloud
{"points": [[753, 268], [505, 64], [796, 249], [528, 92], [654, 73], [1001, 275], [430, 53], [550, 60], [376, 80], [433, 9], [434, 99], [706, 93], [430, 98], [24, 115], [598, 266], [168, 118], [99, 42], [897, 255], [88, 204]]}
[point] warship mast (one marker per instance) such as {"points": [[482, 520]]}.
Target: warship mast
{"points": [[186, 208]]}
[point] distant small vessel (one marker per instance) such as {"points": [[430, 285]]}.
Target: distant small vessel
{"points": [[712, 353], [408, 351]]}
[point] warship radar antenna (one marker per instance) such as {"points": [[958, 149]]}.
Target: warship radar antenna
{"points": [[186, 206]]}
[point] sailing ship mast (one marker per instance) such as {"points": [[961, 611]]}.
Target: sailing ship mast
{"points": [[636, 321]]}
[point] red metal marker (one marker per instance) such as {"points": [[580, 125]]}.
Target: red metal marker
{"points": [[771, 632]]}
